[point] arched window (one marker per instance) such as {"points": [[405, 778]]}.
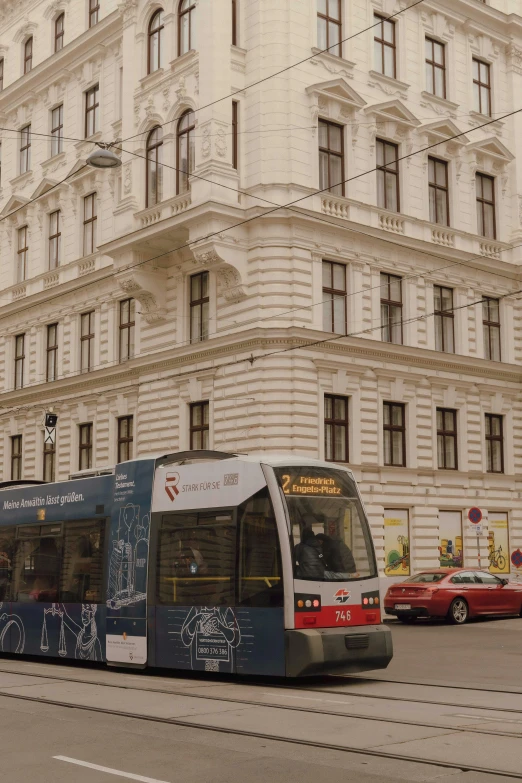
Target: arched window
{"points": [[59, 30], [186, 150], [28, 55], [154, 167], [186, 29], [155, 35]]}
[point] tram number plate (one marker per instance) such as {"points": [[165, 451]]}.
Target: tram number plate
{"points": [[403, 606], [342, 616]]}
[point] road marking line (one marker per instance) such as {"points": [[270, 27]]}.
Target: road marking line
{"points": [[108, 770]]}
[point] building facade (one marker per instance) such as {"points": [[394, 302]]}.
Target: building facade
{"points": [[303, 251]]}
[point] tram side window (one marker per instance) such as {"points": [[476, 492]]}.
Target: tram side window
{"points": [[196, 559], [7, 551], [37, 563], [260, 580], [81, 579]]}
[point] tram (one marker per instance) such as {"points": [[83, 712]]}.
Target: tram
{"points": [[197, 560]]}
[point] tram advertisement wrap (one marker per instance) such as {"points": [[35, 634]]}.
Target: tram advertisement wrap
{"points": [[128, 555]]}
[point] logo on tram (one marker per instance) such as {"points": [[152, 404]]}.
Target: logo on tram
{"points": [[342, 596], [171, 485]]}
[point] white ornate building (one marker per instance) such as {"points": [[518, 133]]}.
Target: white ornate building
{"points": [[158, 310]]}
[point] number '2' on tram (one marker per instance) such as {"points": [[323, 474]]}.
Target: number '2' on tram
{"points": [[197, 560]]}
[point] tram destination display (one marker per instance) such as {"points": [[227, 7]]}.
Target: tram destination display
{"points": [[318, 483]]}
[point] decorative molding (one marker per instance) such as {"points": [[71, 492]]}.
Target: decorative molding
{"points": [[149, 288]]}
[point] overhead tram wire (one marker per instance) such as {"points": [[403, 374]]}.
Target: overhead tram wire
{"points": [[286, 69], [250, 359], [276, 208]]}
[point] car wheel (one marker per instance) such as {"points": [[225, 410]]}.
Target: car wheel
{"points": [[458, 611], [408, 620]]}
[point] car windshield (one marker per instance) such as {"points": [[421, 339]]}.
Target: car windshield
{"points": [[330, 533], [426, 578]]}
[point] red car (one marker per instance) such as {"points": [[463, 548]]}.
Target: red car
{"points": [[456, 593]]}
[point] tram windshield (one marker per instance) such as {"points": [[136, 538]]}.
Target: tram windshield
{"points": [[330, 533]]}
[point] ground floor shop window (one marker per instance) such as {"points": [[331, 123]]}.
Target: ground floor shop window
{"points": [[498, 542], [396, 542], [450, 539]]}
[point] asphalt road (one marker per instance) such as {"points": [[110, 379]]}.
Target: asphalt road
{"points": [[480, 653], [45, 743]]}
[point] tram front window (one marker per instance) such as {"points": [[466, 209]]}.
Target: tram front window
{"points": [[330, 533]]}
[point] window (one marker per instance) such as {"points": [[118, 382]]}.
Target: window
{"points": [[335, 428], [25, 149], [491, 328], [127, 326], [494, 443], [94, 12], [28, 55], [447, 439], [90, 218], [234, 23], [444, 319], [329, 26], [55, 239], [260, 580], [186, 26], [87, 341], [199, 425], [37, 568], [156, 28], [384, 47], [22, 255], [154, 167], [57, 130], [49, 461], [19, 361], [59, 31], [394, 434], [199, 305], [57, 562], [125, 438], [388, 191], [16, 458], [92, 110], [196, 567], [481, 87], [391, 308], [1, 73], [334, 297], [186, 150], [435, 68], [52, 352], [235, 134], [82, 572], [439, 191], [331, 158], [486, 217], [85, 457]]}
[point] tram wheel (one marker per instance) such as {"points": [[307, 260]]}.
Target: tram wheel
{"points": [[458, 612]]}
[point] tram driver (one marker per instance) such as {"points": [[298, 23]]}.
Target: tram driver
{"points": [[319, 556]]}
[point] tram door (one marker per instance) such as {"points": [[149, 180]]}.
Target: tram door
{"points": [[219, 601]]}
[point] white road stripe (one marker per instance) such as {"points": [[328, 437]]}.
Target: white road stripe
{"points": [[108, 770]]}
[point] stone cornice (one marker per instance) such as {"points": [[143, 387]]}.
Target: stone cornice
{"points": [[184, 361]]}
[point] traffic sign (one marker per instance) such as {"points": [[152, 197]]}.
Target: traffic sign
{"points": [[475, 516], [516, 558], [50, 436]]}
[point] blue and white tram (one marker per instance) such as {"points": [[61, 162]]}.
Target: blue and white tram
{"points": [[196, 560]]}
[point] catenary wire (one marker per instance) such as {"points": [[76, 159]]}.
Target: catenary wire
{"points": [[288, 67], [268, 212], [251, 359]]}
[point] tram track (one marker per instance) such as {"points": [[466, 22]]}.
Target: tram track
{"points": [[239, 701], [190, 724]]}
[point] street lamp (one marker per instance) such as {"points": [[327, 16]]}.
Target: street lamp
{"points": [[102, 157]]}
